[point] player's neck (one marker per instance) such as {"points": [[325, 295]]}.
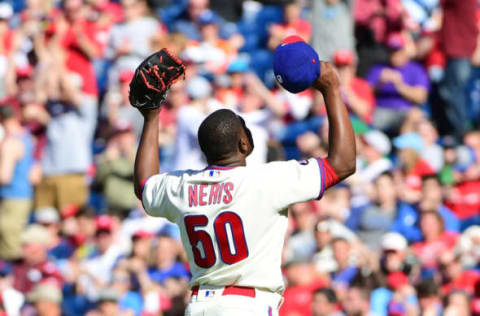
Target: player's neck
{"points": [[236, 161]]}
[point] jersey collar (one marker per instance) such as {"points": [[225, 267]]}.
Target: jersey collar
{"points": [[213, 167]]}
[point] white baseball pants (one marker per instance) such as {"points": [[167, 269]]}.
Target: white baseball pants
{"points": [[210, 302]]}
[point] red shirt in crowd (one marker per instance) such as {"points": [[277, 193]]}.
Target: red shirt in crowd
{"points": [[366, 13], [362, 90], [413, 179], [298, 299], [76, 60], [428, 252], [459, 32], [26, 277], [466, 282], [465, 200]]}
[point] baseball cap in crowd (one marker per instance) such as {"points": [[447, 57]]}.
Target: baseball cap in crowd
{"points": [[69, 211], [322, 226], [198, 88], [108, 295], [465, 157], [396, 41], [35, 234], [24, 72], [207, 17], [104, 223], [378, 140], [343, 57], [5, 268], [142, 234], [449, 141], [238, 65], [6, 11], [296, 64], [396, 280], [126, 76], [45, 291], [409, 141], [47, 215], [394, 241]]}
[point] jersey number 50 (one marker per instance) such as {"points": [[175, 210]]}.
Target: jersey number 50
{"points": [[221, 223]]}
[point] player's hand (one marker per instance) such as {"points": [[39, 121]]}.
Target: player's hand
{"points": [[328, 78]]}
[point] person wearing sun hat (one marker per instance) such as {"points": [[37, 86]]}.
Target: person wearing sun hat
{"points": [[410, 147], [46, 297]]}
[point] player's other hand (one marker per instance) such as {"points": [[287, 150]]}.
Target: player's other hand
{"points": [[328, 78]]}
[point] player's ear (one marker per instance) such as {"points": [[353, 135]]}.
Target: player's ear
{"points": [[245, 144]]}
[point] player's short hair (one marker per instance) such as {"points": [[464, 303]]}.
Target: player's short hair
{"points": [[219, 134]]}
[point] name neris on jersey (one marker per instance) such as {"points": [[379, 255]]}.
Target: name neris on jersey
{"points": [[210, 194]]}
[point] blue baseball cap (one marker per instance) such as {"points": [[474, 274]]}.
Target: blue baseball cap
{"points": [[409, 141], [296, 64]]}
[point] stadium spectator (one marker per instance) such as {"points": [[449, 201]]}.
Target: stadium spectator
{"points": [[357, 302], [325, 303], [115, 170], [358, 94], [398, 86], [375, 219], [374, 147], [67, 155], [436, 240], [373, 29], [45, 300], [293, 25], [187, 22], [458, 303], [301, 244], [96, 270], [16, 191], [117, 107], [35, 266], [429, 298], [166, 265], [332, 27], [458, 18], [407, 221], [323, 257], [301, 284], [130, 41], [454, 277], [75, 34], [11, 300]]}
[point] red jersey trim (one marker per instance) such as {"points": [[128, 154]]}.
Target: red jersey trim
{"points": [[327, 175]]}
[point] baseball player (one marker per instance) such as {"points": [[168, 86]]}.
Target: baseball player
{"points": [[233, 217]]}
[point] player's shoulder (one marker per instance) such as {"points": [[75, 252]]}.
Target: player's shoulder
{"points": [[287, 163], [279, 168]]}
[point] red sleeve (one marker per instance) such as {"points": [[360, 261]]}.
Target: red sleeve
{"points": [[328, 176]]}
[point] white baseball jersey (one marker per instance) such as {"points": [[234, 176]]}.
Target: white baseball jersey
{"points": [[233, 220]]}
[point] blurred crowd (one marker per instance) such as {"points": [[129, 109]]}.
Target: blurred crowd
{"points": [[400, 237]]}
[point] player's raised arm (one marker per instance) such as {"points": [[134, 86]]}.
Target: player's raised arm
{"points": [[341, 139], [297, 68], [148, 91], [146, 161]]}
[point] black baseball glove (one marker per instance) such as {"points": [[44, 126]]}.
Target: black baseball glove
{"points": [[153, 78]]}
